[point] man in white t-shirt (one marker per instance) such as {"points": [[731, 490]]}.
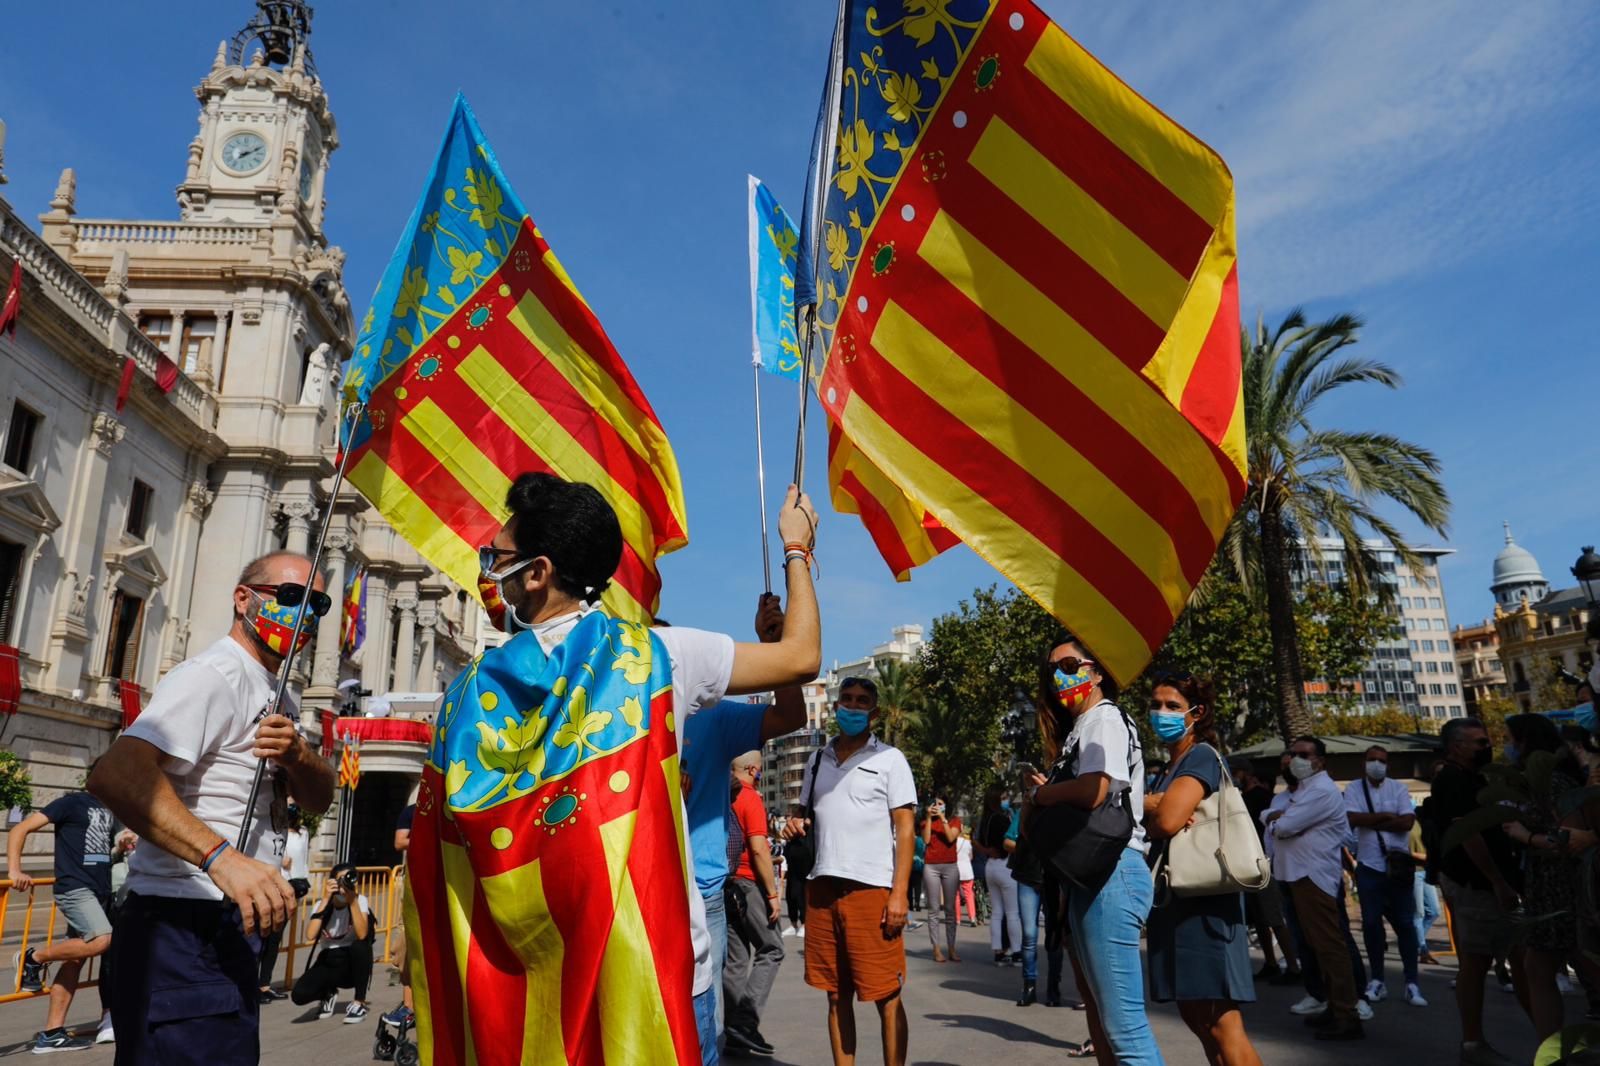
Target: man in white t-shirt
{"points": [[862, 800], [1382, 813], [185, 982], [546, 570]]}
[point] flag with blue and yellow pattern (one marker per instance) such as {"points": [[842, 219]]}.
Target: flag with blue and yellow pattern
{"points": [[773, 253]]}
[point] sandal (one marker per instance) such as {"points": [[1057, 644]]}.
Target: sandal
{"points": [[1084, 1050]]}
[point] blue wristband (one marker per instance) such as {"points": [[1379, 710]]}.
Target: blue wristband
{"points": [[205, 864]]}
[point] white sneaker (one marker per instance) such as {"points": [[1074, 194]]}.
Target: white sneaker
{"points": [[328, 1004], [105, 1035], [1309, 1005], [1564, 984], [1376, 991], [1414, 996], [1363, 1010]]}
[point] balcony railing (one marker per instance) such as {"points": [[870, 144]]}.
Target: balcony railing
{"points": [[105, 231]]}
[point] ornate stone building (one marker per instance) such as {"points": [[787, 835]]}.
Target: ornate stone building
{"points": [[123, 529]]}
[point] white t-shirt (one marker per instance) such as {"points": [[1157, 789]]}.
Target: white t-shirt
{"points": [[337, 928], [851, 823], [1388, 797], [203, 716], [298, 852], [702, 666], [1101, 738], [964, 859]]}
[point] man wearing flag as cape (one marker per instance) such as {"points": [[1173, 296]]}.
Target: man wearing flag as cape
{"points": [[549, 914]]}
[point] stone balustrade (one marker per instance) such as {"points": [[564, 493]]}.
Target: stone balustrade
{"points": [[105, 231]]}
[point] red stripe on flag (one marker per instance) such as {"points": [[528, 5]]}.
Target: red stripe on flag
{"points": [[1212, 391], [426, 887], [585, 920], [880, 527], [499, 983]]}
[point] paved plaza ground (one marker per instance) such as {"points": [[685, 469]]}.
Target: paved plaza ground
{"points": [[961, 1014]]}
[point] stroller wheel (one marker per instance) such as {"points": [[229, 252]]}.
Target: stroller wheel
{"points": [[407, 1055]]}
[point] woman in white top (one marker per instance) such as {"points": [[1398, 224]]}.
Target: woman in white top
{"points": [[1105, 922], [966, 896]]}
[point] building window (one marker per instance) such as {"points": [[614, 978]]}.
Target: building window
{"points": [[158, 327], [1451, 690], [1433, 667], [1414, 646], [20, 435], [139, 509], [198, 333], [10, 587], [1427, 645], [127, 623], [1448, 668], [1435, 689], [1444, 645]]}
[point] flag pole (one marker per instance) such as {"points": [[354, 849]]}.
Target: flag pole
{"points": [[355, 411], [761, 479]]}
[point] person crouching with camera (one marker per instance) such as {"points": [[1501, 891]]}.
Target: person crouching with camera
{"points": [[341, 930]]}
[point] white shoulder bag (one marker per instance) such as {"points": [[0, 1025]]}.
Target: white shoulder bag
{"points": [[1219, 852]]}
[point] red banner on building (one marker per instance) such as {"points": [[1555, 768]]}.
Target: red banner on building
{"points": [[132, 701], [10, 679]]}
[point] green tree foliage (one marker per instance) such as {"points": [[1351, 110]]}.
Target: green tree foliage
{"points": [[1388, 720], [1338, 630], [899, 697]]}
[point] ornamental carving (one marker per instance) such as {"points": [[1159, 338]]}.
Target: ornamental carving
{"points": [[198, 498], [108, 433]]}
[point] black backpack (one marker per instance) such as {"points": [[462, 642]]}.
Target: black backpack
{"points": [[1083, 846]]}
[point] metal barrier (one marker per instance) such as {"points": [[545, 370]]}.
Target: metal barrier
{"points": [[380, 884], [88, 977]]}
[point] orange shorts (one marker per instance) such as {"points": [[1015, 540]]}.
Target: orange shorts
{"points": [[846, 948]]}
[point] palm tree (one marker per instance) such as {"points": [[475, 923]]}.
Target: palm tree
{"points": [[899, 695], [1304, 480]]}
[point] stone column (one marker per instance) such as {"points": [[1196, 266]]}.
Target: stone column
{"points": [[428, 619], [405, 646], [196, 505], [375, 652], [325, 667], [73, 622], [299, 511]]}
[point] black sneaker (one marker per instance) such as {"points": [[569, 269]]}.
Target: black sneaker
{"points": [[355, 1012], [747, 1040], [326, 1009], [30, 974], [58, 1040]]}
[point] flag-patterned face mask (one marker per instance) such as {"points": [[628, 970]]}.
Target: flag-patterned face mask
{"points": [[273, 623], [1072, 689], [489, 593]]}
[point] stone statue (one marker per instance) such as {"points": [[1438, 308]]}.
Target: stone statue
{"points": [[314, 392]]}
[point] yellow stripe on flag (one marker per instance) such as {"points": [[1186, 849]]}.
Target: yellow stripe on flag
{"points": [[993, 414], [1036, 321], [538, 944], [601, 392], [400, 505], [1031, 566], [633, 1018], [458, 890], [457, 453], [905, 513], [1077, 220], [417, 970], [1171, 155]]}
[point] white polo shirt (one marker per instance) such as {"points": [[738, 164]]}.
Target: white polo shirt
{"points": [[851, 824], [1388, 797]]}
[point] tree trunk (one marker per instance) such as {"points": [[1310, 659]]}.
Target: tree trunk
{"points": [[1294, 718]]}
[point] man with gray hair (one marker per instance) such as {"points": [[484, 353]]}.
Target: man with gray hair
{"points": [[755, 945]]}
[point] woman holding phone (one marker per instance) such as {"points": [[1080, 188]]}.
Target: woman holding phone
{"points": [[941, 876]]}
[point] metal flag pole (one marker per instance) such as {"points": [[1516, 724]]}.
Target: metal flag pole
{"points": [[355, 410], [761, 479]]}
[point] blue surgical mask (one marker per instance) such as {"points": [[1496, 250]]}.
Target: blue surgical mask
{"points": [[1583, 714], [851, 723], [1170, 726], [1005, 805]]}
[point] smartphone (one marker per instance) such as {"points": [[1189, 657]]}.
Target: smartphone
{"points": [[1027, 768]]}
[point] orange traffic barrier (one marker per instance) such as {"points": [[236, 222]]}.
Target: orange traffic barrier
{"points": [[11, 992]]}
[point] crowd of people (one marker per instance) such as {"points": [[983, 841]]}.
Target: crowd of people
{"points": [[1079, 850]]}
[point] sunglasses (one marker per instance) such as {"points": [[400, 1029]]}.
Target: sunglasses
{"points": [[291, 593], [489, 557], [1071, 664], [859, 682], [1174, 675]]}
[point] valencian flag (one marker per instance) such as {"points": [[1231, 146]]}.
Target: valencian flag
{"points": [[1028, 301], [547, 913], [479, 361], [773, 255], [354, 630]]}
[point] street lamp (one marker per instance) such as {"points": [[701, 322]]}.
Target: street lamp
{"points": [[1587, 571]]}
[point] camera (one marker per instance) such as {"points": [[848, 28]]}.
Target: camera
{"points": [[346, 881]]}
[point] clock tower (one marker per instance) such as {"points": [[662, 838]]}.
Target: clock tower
{"points": [[266, 130]]}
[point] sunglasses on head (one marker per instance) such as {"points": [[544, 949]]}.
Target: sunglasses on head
{"points": [[859, 682], [1174, 675], [1070, 664], [290, 593]]}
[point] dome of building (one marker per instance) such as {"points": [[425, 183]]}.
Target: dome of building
{"points": [[1517, 575]]}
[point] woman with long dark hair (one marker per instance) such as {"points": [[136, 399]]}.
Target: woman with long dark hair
{"points": [[1199, 945], [1100, 760]]}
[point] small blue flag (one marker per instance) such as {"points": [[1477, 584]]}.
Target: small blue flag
{"points": [[774, 252]]}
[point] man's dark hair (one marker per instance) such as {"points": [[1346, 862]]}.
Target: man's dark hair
{"points": [[863, 683], [570, 524], [1315, 742], [1376, 747], [1451, 731]]}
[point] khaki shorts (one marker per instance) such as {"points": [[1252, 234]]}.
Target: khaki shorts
{"points": [[846, 948], [1477, 924]]}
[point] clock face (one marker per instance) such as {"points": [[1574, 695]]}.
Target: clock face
{"points": [[244, 153]]}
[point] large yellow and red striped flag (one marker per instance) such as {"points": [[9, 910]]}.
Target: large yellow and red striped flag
{"points": [[1027, 294], [480, 361]]}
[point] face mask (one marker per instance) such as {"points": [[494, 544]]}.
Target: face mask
{"points": [[1512, 753], [1005, 805], [1482, 756], [273, 623], [851, 723], [1583, 714], [1170, 726], [1073, 689], [491, 587], [1376, 770], [1301, 767]]}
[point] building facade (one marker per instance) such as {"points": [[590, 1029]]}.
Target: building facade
{"points": [[1415, 668], [1483, 674], [129, 505]]}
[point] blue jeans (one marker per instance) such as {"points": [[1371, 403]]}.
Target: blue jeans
{"points": [[1028, 902], [1425, 900], [1382, 897], [717, 925], [1105, 927]]}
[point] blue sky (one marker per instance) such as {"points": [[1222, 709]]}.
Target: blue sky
{"points": [[1432, 167]]}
